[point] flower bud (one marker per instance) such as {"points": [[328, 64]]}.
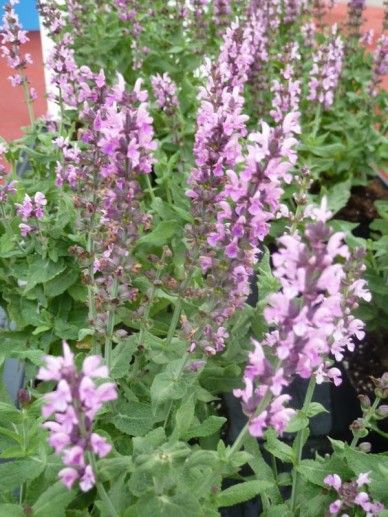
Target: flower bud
{"points": [[364, 401], [365, 447], [23, 397], [382, 411]]}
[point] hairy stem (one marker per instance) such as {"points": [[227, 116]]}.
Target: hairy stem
{"points": [[101, 489], [299, 442], [110, 325]]}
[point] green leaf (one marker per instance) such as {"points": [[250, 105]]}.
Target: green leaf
{"points": [[207, 428], [261, 468], [338, 195], [11, 510], [14, 473], [163, 505], [8, 413], [133, 418], [277, 448], [54, 501], [279, 510], [121, 357], [83, 333], [184, 417], [166, 386], [315, 408], [160, 235], [374, 463], [315, 471], [61, 283], [241, 492], [298, 421], [42, 270]]}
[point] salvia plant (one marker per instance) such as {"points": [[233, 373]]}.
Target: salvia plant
{"points": [[185, 271]]}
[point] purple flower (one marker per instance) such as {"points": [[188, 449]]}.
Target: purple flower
{"points": [[13, 37], [380, 64], [326, 70], [164, 90], [74, 404], [350, 496], [30, 209], [310, 316]]}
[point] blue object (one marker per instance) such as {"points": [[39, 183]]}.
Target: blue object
{"points": [[27, 12]]}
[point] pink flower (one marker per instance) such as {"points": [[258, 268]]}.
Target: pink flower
{"points": [[334, 481], [99, 445], [74, 403], [88, 480], [68, 476]]}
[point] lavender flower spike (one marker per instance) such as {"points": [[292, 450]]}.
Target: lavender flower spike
{"points": [[74, 405], [310, 316]]}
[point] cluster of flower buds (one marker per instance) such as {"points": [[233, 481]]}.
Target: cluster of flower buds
{"points": [[354, 21], [319, 12], [74, 404], [52, 17], [222, 10], [367, 37], [128, 11], [380, 64], [258, 78], [308, 31], [198, 21], [117, 149], [13, 37], [164, 90], [286, 92], [372, 413], [352, 494], [6, 188], [30, 209], [326, 70], [310, 316], [292, 10]]}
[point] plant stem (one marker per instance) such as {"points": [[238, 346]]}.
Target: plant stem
{"points": [[180, 371], [367, 418], [177, 311], [299, 442], [29, 101], [317, 120], [149, 186], [101, 489], [110, 326], [170, 335], [148, 307], [239, 442]]}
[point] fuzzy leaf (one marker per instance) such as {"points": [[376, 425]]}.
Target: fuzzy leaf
{"points": [[241, 492], [53, 502], [160, 235], [133, 418], [14, 473], [208, 427], [278, 448]]}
